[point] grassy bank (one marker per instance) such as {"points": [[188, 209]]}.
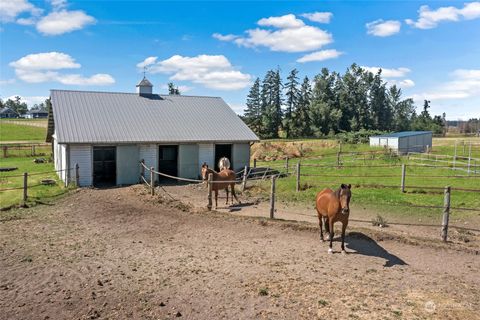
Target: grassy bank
{"points": [[15, 131], [14, 179]]}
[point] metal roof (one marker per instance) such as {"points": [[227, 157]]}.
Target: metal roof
{"points": [[109, 117], [144, 83], [402, 134]]}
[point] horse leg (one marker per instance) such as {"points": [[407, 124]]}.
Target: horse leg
{"points": [[226, 202], [344, 227], [216, 198], [320, 219], [233, 192], [327, 228], [332, 233]]}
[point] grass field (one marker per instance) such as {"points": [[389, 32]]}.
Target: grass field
{"points": [[36, 192], [367, 181], [15, 131]]}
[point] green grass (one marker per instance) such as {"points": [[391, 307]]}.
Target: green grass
{"points": [[14, 179], [25, 133], [388, 201]]}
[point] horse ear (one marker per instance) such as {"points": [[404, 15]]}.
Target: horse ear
{"points": [[349, 186], [343, 186]]}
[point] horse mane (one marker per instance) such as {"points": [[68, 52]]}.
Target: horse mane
{"points": [[337, 193]]}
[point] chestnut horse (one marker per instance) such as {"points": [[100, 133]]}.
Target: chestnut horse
{"points": [[226, 175], [333, 206]]}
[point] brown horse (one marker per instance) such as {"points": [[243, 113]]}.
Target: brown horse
{"points": [[333, 206], [226, 175]]}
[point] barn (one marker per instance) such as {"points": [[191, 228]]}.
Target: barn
{"points": [[405, 141], [108, 133]]}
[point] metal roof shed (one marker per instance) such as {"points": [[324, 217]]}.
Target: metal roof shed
{"points": [[405, 141], [108, 133]]}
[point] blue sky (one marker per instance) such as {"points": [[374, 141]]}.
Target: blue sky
{"points": [[429, 48]]}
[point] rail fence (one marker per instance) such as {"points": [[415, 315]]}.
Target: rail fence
{"points": [[277, 171], [21, 150]]}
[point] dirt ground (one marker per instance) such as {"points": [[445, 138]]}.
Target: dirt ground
{"points": [[122, 254]]}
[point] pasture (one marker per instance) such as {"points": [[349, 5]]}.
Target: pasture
{"points": [[24, 131]]}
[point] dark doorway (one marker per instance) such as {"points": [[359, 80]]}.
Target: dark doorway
{"points": [[223, 150], [167, 161], [104, 166]]}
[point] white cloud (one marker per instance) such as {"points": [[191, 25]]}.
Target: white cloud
{"points": [[238, 108], [389, 72], [291, 35], [182, 88], [30, 101], [42, 67], [226, 37], [60, 22], [10, 9], [211, 71], [320, 55], [382, 28], [428, 19], [58, 4], [321, 17], [147, 62], [405, 83], [45, 61], [286, 21], [465, 84], [301, 39]]}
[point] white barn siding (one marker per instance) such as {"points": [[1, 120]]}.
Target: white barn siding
{"points": [[82, 154], [241, 155], [149, 153], [128, 167], [188, 161], [63, 162], [206, 153]]}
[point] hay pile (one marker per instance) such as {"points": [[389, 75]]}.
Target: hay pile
{"points": [[269, 151]]}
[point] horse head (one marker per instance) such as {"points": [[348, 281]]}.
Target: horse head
{"points": [[205, 171], [344, 195]]}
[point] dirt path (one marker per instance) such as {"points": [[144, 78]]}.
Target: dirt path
{"points": [[120, 253]]}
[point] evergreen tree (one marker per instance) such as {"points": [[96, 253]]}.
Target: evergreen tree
{"points": [[403, 110], [16, 105], [271, 104], [300, 118], [381, 113], [253, 112], [293, 96], [172, 89]]}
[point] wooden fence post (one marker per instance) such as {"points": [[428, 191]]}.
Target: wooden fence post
{"points": [[244, 180], [5, 151], [77, 175], [404, 172], [209, 185], [272, 198], [142, 170], [469, 156], [286, 164], [297, 188], [254, 162], [25, 188], [446, 213], [455, 155], [338, 159], [152, 181]]}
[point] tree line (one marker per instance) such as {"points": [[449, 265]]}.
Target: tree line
{"points": [[332, 103], [21, 108]]}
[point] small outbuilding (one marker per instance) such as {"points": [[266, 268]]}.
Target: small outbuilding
{"points": [[37, 114], [8, 113], [405, 141], [108, 133]]}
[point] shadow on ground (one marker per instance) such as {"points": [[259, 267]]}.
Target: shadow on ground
{"points": [[363, 244]]}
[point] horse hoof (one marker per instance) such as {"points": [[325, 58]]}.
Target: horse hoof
{"points": [[344, 252], [322, 240], [330, 251]]}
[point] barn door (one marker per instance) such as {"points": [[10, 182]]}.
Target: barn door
{"points": [[104, 166], [223, 150], [168, 161]]}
